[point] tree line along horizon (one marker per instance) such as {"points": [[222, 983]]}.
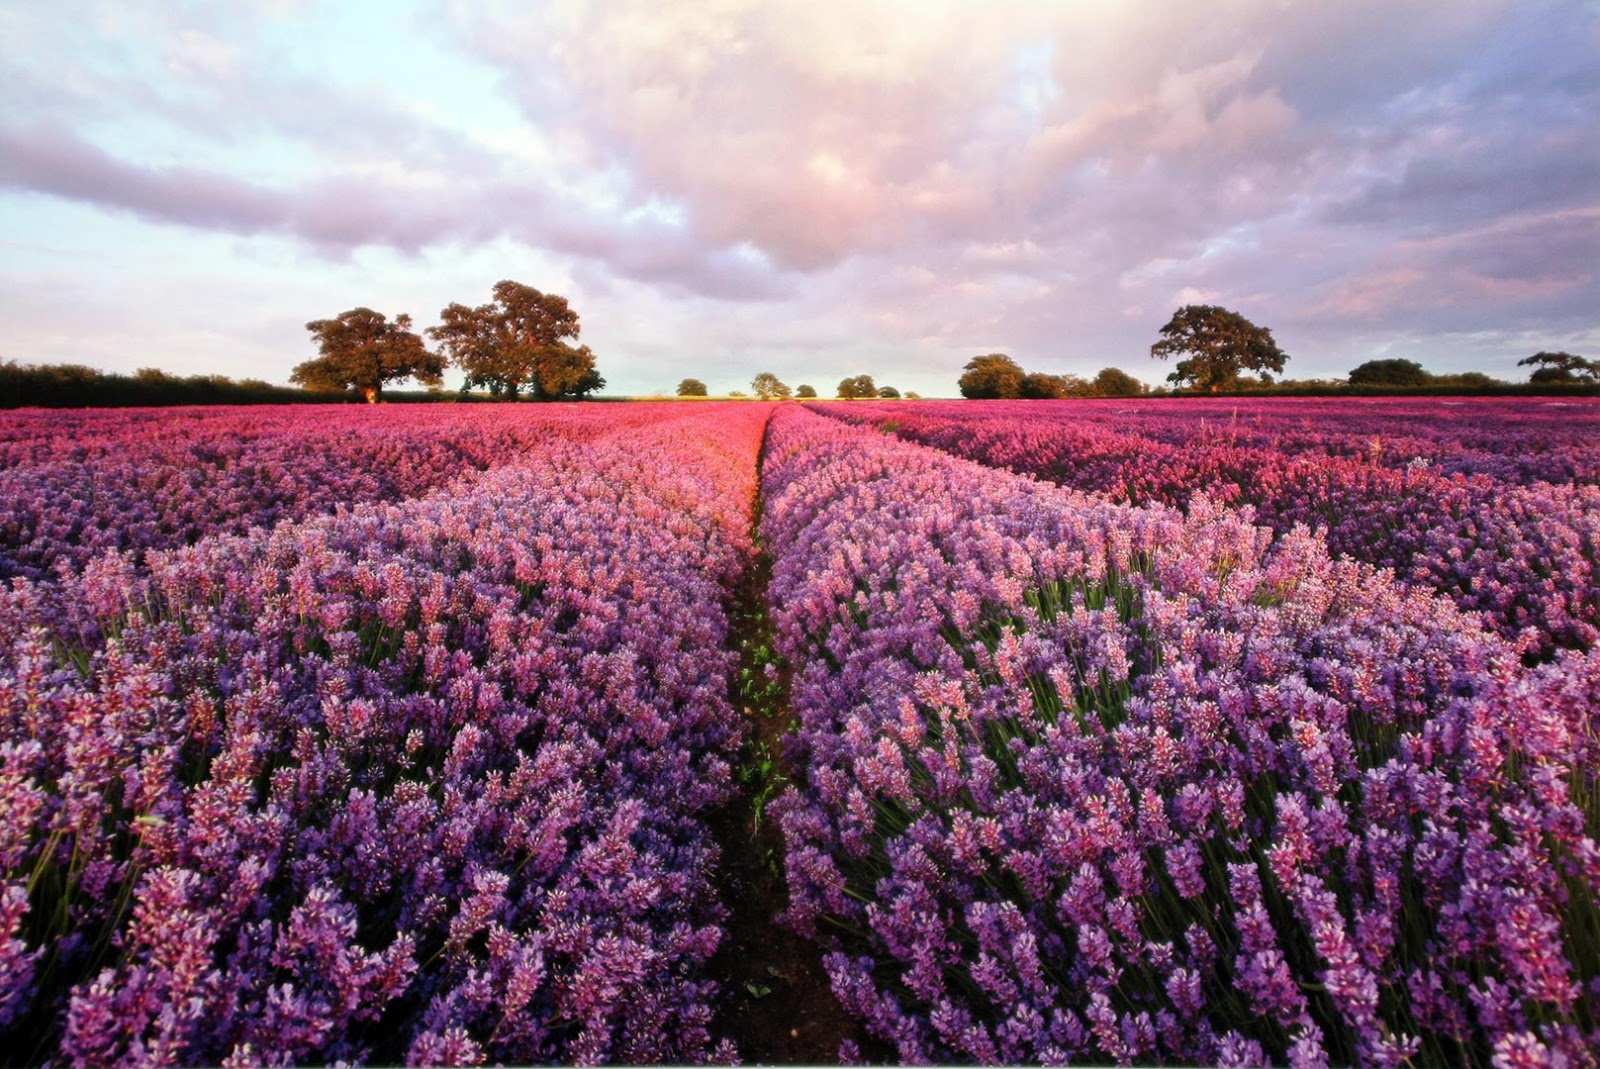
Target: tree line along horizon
{"points": [[522, 344], [1221, 350]]}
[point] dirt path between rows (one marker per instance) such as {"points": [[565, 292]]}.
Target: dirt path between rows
{"points": [[776, 1004]]}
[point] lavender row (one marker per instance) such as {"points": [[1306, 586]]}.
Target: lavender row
{"points": [[1519, 440], [421, 782], [1527, 556], [34, 436], [1086, 781], [76, 484]]}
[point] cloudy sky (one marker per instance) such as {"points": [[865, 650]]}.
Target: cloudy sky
{"points": [[812, 188]]}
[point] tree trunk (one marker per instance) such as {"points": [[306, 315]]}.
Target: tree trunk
{"points": [[370, 393]]}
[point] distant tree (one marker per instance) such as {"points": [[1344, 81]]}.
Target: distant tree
{"points": [[691, 388], [805, 390], [1471, 380], [1077, 386], [1038, 386], [1114, 382], [519, 342], [362, 350], [1217, 345], [768, 387], [736, 393], [857, 386], [913, 395], [1391, 372], [991, 377], [1561, 367], [888, 392]]}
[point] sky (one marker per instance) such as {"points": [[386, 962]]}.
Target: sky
{"points": [[813, 188]]}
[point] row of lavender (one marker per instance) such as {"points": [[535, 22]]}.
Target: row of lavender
{"points": [[420, 782], [1083, 780], [1520, 440], [76, 484], [1523, 551]]}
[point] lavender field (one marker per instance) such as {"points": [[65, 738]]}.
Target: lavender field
{"points": [[1135, 732]]}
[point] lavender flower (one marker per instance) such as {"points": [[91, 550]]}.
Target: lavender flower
{"points": [[1252, 801]]}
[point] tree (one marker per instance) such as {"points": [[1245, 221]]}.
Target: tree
{"points": [[994, 376], [888, 392], [805, 390], [1470, 380], [768, 387], [1114, 382], [1218, 345], [857, 386], [1077, 386], [691, 388], [1391, 372], [913, 395], [519, 342], [1039, 386], [567, 371], [1561, 367], [362, 350]]}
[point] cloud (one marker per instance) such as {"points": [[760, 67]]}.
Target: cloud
{"points": [[339, 212], [58, 163], [1520, 272], [1027, 174], [194, 54]]}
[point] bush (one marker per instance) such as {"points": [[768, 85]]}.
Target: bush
{"points": [[77, 386]]}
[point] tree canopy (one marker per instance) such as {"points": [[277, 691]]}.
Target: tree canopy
{"points": [[805, 389], [1561, 367], [994, 376], [1114, 382], [1390, 372], [857, 386], [768, 387], [691, 388], [362, 350], [1041, 386], [1216, 345], [888, 392], [519, 342]]}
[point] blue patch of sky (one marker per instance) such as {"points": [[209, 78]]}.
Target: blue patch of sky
{"points": [[398, 49], [45, 232], [657, 209], [1242, 238], [385, 57], [1035, 86]]}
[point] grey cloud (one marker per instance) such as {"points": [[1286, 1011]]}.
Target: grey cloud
{"points": [[59, 164], [1476, 160], [337, 214], [663, 255], [1434, 192]]}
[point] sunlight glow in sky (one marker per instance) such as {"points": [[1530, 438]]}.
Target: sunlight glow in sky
{"points": [[812, 188]]}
